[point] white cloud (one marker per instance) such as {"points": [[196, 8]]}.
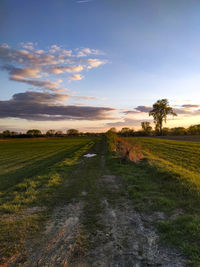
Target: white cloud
{"points": [[31, 62], [28, 45], [69, 69], [76, 77], [94, 63], [54, 49]]}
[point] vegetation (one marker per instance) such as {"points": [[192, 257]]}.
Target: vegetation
{"points": [[34, 132], [180, 157], [123, 148], [32, 174], [124, 132], [73, 132], [146, 127], [168, 181], [160, 111]]}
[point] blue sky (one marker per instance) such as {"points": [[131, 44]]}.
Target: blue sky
{"points": [[145, 50]]}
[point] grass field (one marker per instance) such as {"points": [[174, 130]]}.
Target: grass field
{"points": [[38, 175], [180, 157], [31, 173], [168, 180]]}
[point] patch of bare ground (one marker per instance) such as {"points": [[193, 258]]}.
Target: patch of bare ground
{"points": [[56, 245], [59, 238], [128, 237]]}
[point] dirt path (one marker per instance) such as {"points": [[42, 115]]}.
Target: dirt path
{"points": [[100, 227], [128, 239]]}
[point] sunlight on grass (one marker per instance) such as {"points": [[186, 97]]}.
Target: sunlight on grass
{"points": [[34, 191]]}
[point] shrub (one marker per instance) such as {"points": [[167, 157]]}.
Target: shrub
{"points": [[123, 148]]}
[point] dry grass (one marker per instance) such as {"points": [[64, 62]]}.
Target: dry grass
{"points": [[124, 148]]}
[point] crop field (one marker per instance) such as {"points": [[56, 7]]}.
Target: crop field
{"points": [[181, 157], [31, 172]]}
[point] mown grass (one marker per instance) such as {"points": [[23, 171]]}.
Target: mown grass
{"points": [[180, 157], [155, 187], [39, 186]]}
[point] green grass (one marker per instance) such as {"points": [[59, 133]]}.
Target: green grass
{"points": [[37, 182], [180, 157], [153, 185], [45, 173]]}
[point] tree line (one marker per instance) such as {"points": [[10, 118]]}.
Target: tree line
{"points": [[49, 133], [146, 130]]}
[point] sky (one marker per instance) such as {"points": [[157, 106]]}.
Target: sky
{"points": [[97, 64]]}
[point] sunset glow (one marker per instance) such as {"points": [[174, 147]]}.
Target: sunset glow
{"points": [[93, 65]]}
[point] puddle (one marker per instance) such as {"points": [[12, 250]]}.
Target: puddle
{"points": [[89, 155]]}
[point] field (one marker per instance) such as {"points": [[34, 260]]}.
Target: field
{"points": [[61, 209], [181, 157], [193, 138], [32, 170]]}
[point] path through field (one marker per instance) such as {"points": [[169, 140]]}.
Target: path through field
{"points": [[99, 226]]}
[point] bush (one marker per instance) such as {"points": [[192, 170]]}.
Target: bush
{"points": [[123, 148]]}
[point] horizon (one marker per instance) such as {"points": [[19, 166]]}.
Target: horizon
{"points": [[94, 65]]}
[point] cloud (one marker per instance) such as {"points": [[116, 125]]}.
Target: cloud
{"points": [[76, 77], [28, 45], [125, 122], [22, 73], [34, 63], [54, 49], [27, 58], [46, 84], [61, 69], [94, 63], [190, 106], [181, 111], [46, 107], [88, 51], [39, 97], [138, 110], [84, 97], [83, 1], [127, 112], [143, 108]]}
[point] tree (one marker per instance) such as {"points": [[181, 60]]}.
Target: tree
{"points": [[178, 131], [59, 133], [72, 132], [160, 111], [194, 129], [50, 132], [34, 132], [146, 127], [113, 129], [125, 131], [165, 131]]}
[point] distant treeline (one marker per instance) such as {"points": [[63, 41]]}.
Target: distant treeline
{"points": [[49, 133], [146, 130]]}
